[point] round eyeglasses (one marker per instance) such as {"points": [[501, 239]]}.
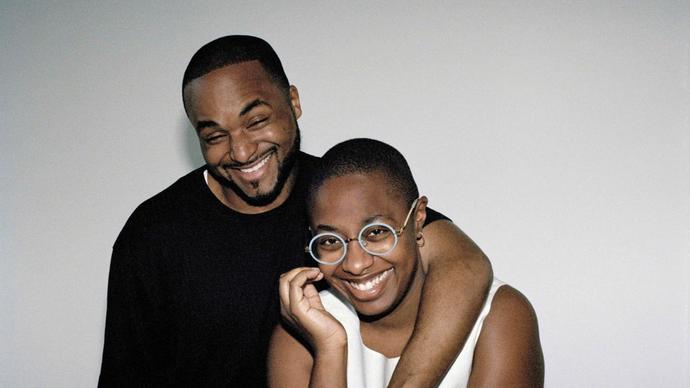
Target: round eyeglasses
{"points": [[377, 238]]}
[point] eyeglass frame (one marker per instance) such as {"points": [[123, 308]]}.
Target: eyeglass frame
{"points": [[346, 240]]}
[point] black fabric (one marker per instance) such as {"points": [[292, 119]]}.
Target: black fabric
{"points": [[192, 291]]}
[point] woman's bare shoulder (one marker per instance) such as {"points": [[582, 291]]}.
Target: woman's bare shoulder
{"points": [[509, 351]]}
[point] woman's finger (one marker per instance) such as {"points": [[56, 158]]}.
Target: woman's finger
{"points": [[291, 289], [296, 289]]}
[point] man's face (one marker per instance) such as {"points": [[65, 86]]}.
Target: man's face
{"points": [[374, 284], [247, 127]]}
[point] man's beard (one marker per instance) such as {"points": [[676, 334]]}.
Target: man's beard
{"points": [[284, 171]]}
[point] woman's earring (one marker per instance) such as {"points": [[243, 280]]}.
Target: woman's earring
{"points": [[420, 239]]}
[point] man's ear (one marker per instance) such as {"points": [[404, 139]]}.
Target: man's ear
{"points": [[420, 213], [294, 101]]}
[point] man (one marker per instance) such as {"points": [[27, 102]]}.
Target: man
{"points": [[192, 294]]}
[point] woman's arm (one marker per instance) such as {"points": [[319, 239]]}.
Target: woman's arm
{"points": [[508, 352], [458, 278], [290, 364]]}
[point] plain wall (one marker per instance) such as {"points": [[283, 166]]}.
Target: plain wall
{"points": [[554, 133]]}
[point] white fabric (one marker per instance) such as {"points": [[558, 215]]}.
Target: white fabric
{"points": [[367, 368]]}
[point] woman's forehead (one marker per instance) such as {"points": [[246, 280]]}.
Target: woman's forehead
{"points": [[356, 196], [353, 187]]}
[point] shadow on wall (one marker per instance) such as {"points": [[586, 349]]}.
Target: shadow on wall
{"points": [[190, 144]]}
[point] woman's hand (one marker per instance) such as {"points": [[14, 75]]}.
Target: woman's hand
{"points": [[300, 306]]}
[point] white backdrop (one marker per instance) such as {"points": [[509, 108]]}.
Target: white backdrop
{"points": [[554, 133]]}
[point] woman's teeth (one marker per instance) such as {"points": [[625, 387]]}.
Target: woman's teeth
{"points": [[368, 285], [257, 166]]}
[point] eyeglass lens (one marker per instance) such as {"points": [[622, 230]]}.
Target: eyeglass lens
{"points": [[376, 239]]}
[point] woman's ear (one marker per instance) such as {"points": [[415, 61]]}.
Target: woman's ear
{"points": [[420, 213]]}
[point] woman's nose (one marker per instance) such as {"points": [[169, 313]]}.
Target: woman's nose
{"points": [[357, 260]]}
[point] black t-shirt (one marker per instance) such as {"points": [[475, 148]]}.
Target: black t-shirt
{"points": [[192, 291]]}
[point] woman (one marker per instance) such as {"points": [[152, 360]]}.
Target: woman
{"points": [[366, 216]]}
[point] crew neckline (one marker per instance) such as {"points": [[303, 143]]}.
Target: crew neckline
{"points": [[222, 209]]}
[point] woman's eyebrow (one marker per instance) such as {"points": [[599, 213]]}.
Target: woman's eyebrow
{"points": [[366, 221], [373, 218], [326, 228]]}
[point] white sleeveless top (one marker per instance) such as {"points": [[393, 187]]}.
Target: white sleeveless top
{"points": [[367, 368]]}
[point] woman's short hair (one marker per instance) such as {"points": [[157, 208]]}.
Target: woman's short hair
{"points": [[365, 156]]}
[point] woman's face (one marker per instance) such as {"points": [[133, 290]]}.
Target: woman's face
{"points": [[373, 284]]}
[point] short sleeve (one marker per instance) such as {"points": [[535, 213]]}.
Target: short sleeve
{"points": [[432, 215]]}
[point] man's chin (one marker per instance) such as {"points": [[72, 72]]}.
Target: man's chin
{"points": [[262, 198], [257, 198]]}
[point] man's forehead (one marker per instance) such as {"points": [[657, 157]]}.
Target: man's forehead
{"points": [[231, 85], [243, 74]]}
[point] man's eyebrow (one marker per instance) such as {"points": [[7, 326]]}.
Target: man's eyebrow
{"points": [[253, 105], [205, 124]]}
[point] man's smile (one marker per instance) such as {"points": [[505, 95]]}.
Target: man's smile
{"points": [[257, 165], [254, 170]]}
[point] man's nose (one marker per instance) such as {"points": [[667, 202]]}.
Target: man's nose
{"points": [[357, 260], [242, 148]]}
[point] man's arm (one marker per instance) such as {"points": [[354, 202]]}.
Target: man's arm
{"points": [[459, 276], [133, 354]]}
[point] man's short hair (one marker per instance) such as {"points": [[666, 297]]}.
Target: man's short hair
{"points": [[232, 49], [364, 156]]}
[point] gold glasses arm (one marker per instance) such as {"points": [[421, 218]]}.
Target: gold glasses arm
{"points": [[409, 213]]}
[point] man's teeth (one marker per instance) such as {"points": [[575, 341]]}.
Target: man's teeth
{"points": [[368, 285], [257, 166]]}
